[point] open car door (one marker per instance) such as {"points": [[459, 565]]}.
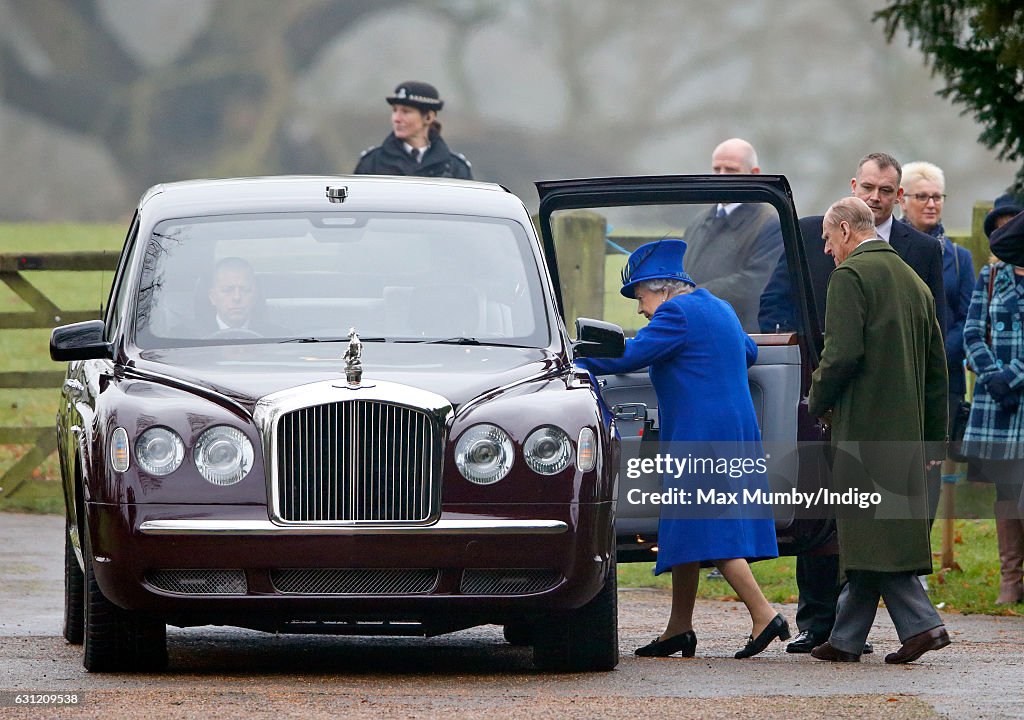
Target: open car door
{"points": [[744, 246]]}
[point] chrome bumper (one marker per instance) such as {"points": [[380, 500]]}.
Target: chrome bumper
{"points": [[265, 527]]}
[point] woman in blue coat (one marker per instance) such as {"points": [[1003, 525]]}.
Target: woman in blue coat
{"points": [[698, 357]]}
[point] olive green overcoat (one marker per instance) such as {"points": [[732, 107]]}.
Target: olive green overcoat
{"points": [[883, 376]]}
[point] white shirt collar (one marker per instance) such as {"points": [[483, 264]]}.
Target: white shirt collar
{"points": [[728, 208], [423, 150], [884, 230], [221, 325]]}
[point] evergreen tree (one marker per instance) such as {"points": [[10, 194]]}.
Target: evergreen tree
{"points": [[978, 46]]}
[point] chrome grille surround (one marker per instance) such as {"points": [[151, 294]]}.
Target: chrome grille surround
{"points": [[199, 581], [384, 469], [353, 581]]}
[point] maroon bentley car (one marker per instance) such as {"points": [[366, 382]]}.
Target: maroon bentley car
{"points": [[335, 405], [347, 405]]}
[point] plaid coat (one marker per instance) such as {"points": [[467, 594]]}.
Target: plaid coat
{"points": [[993, 433]]}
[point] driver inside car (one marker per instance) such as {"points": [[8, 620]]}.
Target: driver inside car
{"points": [[236, 302]]}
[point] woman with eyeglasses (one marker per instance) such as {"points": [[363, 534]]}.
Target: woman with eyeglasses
{"points": [[924, 194], [698, 355]]}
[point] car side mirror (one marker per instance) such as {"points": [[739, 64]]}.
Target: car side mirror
{"points": [[80, 341], [598, 339]]}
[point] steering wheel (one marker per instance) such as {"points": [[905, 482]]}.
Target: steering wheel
{"points": [[234, 334]]}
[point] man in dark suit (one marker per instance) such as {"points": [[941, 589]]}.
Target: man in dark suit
{"points": [[778, 310], [921, 252], [877, 183], [236, 304], [733, 248]]}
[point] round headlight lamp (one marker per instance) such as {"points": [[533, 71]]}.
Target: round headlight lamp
{"points": [[548, 450], [223, 455], [484, 454], [159, 451]]}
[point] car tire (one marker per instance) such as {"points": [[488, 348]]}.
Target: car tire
{"points": [[115, 638], [586, 639], [74, 590], [518, 633]]}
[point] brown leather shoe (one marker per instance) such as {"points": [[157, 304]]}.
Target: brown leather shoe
{"points": [[825, 651], [918, 645]]}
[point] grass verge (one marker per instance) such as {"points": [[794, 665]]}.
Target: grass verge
{"points": [[970, 586]]}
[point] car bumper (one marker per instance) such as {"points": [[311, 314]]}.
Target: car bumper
{"points": [[565, 549]]}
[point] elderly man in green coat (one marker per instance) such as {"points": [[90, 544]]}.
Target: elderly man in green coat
{"points": [[882, 386]]}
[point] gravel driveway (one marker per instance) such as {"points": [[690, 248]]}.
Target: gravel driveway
{"points": [[222, 672]]}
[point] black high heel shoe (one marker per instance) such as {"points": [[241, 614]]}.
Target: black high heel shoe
{"points": [[685, 642], [777, 628]]}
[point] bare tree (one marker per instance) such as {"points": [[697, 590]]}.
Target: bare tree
{"points": [[220, 109]]}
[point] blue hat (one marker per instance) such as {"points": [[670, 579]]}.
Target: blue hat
{"points": [[1004, 205], [658, 260]]}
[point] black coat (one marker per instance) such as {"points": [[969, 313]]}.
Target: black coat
{"points": [[921, 252], [390, 158]]}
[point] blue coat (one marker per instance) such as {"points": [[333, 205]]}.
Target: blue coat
{"points": [[958, 280], [992, 433], [698, 357]]}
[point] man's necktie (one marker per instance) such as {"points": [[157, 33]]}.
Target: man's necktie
{"points": [[415, 155], [721, 213]]}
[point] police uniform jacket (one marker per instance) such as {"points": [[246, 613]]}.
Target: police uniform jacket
{"points": [[390, 158]]}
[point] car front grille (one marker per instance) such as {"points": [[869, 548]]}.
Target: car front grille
{"points": [[188, 581], [508, 582], [356, 461], [353, 581]]}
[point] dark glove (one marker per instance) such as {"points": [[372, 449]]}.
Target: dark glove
{"points": [[999, 388]]}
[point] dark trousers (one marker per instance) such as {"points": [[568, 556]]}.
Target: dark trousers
{"points": [[817, 578]]}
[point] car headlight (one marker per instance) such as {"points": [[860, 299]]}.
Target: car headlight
{"points": [[223, 455], [159, 451], [547, 450], [484, 454]]}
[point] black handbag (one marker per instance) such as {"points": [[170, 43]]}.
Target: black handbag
{"points": [[957, 428]]}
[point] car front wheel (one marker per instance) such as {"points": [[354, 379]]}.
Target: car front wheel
{"points": [[115, 638], [585, 639]]}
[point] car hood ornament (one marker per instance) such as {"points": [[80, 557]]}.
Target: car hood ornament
{"points": [[353, 358]]}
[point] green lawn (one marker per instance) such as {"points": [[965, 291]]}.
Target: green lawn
{"points": [[970, 587], [27, 350]]}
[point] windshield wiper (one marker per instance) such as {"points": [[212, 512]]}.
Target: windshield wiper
{"points": [[340, 338], [453, 341]]}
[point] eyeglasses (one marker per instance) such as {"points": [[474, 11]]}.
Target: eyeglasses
{"points": [[923, 198]]}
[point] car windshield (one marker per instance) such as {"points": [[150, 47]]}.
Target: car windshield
{"points": [[313, 276], [733, 250]]}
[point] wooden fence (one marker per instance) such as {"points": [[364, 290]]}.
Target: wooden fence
{"points": [[582, 260], [44, 314]]}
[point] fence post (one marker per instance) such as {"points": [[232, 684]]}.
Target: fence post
{"points": [[44, 314], [580, 247]]}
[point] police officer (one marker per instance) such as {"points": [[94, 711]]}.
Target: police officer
{"points": [[415, 146]]}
